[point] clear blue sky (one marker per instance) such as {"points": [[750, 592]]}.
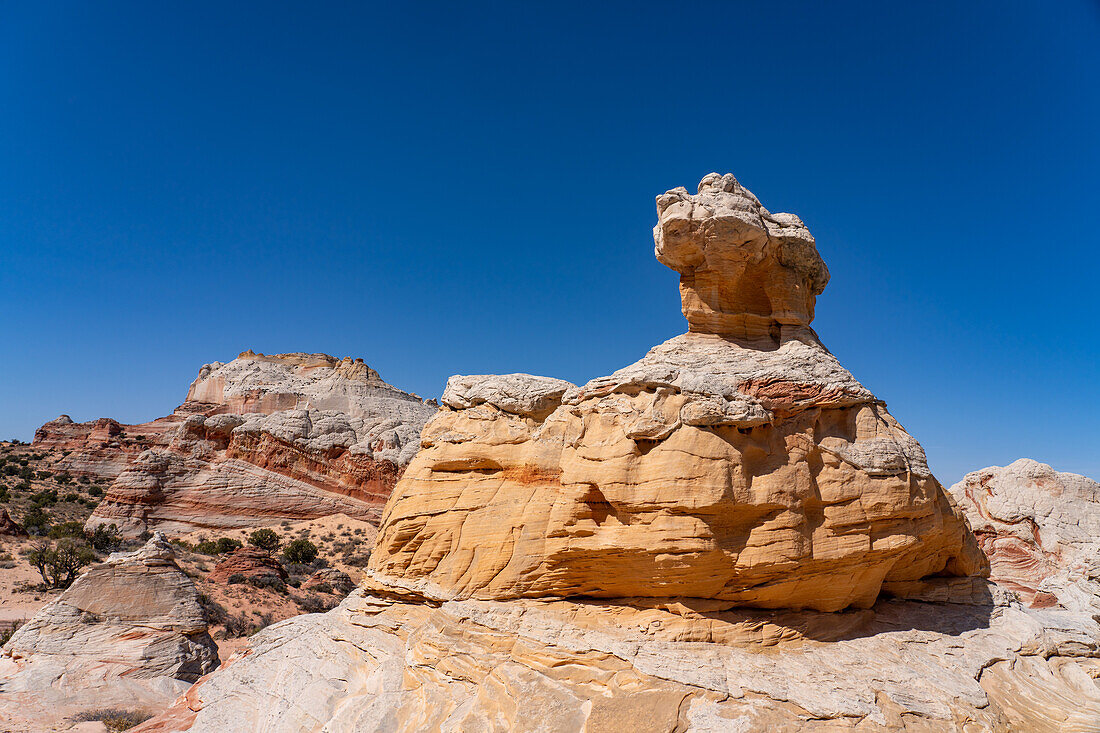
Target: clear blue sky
{"points": [[447, 188]]}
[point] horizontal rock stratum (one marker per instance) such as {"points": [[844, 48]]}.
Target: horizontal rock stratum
{"points": [[258, 440], [561, 559], [738, 462]]}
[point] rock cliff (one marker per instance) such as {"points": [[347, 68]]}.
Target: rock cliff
{"points": [[131, 628], [732, 534], [259, 440]]}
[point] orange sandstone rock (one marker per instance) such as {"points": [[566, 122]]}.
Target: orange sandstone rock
{"points": [[738, 462]]}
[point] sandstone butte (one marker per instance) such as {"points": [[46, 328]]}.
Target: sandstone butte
{"points": [[258, 440], [128, 632], [694, 543]]}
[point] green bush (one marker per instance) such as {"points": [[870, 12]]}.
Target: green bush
{"points": [[36, 521], [220, 546], [72, 496], [300, 551], [265, 539], [60, 564], [105, 538], [63, 478], [268, 581], [43, 475], [44, 498], [95, 491], [67, 529], [4, 493]]}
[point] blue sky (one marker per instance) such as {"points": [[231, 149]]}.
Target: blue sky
{"points": [[446, 188]]}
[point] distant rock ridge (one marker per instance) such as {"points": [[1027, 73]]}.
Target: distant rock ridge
{"points": [[259, 439], [731, 534]]}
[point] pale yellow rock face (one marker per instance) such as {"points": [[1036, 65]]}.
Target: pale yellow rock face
{"points": [[751, 470]]}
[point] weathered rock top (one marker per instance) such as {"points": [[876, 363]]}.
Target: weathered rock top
{"points": [[744, 271], [255, 383]]}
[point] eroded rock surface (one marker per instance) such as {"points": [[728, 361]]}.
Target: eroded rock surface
{"points": [[595, 558], [260, 439], [129, 629], [1040, 529], [739, 464]]}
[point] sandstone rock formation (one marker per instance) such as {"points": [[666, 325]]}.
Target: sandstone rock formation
{"points": [[129, 629], [260, 439], [339, 581], [8, 526], [1040, 530], [738, 462], [250, 562], [695, 543]]}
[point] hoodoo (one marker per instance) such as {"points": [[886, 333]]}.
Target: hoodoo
{"points": [[738, 462]]}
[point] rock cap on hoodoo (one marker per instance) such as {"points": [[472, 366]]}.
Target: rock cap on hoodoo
{"points": [[744, 271]]}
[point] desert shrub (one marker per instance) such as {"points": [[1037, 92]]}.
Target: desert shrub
{"points": [[315, 604], [115, 719], [10, 469], [43, 475], [44, 498], [272, 582], [105, 538], [358, 561], [26, 474], [212, 612], [145, 536], [300, 551], [36, 521], [63, 478], [95, 491], [323, 588], [294, 581], [67, 529], [59, 564], [71, 496], [23, 486], [5, 495], [236, 578], [228, 544], [265, 539], [219, 546], [83, 480], [298, 568], [7, 629]]}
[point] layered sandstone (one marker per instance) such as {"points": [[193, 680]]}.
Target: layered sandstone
{"points": [[260, 439], [646, 552], [130, 629], [1040, 529], [249, 562], [738, 462]]}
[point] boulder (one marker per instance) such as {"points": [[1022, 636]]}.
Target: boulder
{"points": [[1040, 529], [130, 630], [339, 581], [9, 527], [251, 562]]}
